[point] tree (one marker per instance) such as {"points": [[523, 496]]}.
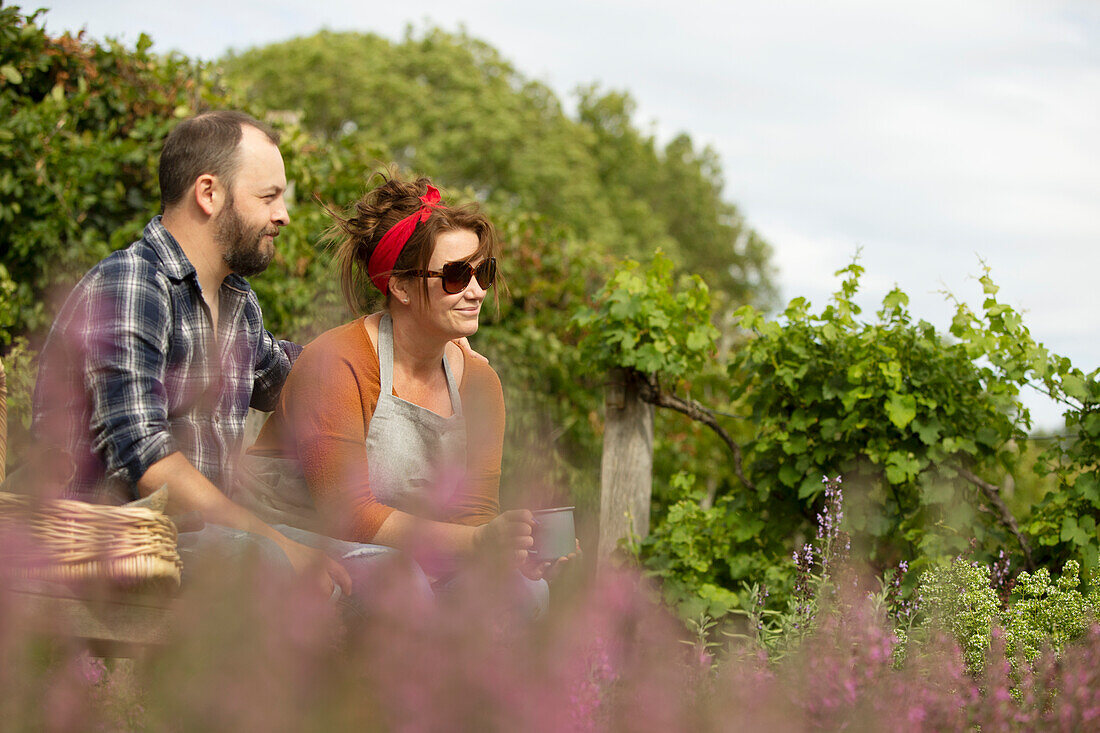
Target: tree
{"points": [[672, 199], [450, 106]]}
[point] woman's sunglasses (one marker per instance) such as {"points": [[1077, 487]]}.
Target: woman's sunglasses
{"points": [[456, 275]]}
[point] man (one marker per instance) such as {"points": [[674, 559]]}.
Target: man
{"points": [[149, 370]]}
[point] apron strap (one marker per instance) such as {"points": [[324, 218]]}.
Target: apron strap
{"points": [[452, 387], [385, 355]]}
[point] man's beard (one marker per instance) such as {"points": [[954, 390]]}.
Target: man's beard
{"points": [[242, 250]]}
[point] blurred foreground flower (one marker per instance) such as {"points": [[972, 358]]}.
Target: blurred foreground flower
{"points": [[252, 652]]}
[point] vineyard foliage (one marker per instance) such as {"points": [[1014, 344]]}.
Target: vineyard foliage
{"points": [[895, 406], [927, 428]]}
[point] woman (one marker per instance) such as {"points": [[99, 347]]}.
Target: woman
{"points": [[397, 431]]}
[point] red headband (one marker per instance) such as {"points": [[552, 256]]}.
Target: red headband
{"points": [[389, 249]]}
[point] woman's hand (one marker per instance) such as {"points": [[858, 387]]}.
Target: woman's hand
{"points": [[550, 570], [507, 536]]}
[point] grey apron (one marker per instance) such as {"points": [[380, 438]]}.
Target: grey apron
{"points": [[415, 457]]}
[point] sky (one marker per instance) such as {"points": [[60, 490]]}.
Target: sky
{"points": [[929, 137]]}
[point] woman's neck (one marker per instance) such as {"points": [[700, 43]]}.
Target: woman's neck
{"points": [[417, 352]]}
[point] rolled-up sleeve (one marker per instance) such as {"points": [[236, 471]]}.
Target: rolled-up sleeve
{"points": [[124, 328]]}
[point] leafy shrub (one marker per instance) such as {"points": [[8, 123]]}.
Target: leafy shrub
{"points": [[1045, 615], [699, 553], [1036, 625], [643, 322], [959, 598], [899, 408], [1065, 523]]}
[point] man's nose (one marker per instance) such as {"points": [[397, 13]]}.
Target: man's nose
{"points": [[280, 215]]}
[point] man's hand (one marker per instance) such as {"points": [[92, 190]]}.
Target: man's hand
{"points": [[313, 563], [508, 536], [189, 490]]}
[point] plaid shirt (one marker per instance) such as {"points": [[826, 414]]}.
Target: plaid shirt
{"points": [[131, 371]]}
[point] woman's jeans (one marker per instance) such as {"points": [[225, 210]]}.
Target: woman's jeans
{"points": [[363, 562]]}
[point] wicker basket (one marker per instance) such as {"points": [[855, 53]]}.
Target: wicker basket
{"points": [[71, 541]]}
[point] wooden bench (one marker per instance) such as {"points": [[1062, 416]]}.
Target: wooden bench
{"points": [[111, 624]]}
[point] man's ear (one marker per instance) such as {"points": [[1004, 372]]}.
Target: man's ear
{"points": [[208, 193]]}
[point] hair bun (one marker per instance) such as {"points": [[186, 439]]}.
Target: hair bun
{"points": [[387, 204]]}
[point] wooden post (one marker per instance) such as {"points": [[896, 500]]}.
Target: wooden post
{"points": [[626, 470]]}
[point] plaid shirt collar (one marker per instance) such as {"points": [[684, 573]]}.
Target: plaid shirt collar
{"points": [[173, 260]]}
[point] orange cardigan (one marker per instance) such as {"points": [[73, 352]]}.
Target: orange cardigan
{"points": [[322, 419]]}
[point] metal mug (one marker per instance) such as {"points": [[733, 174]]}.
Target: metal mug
{"points": [[554, 534]]}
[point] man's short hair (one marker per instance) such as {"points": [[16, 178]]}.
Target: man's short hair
{"points": [[204, 144]]}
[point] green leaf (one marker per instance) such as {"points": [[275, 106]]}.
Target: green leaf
{"points": [[902, 467], [901, 409], [1088, 487], [697, 340], [795, 445], [748, 317], [895, 299], [928, 431], [895, 475], [938, 492], [988, 437], [1091, 553], [11, 73], [1074, 386], [810, 486], [789, 475], [1071, 532], [849, 398]]}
